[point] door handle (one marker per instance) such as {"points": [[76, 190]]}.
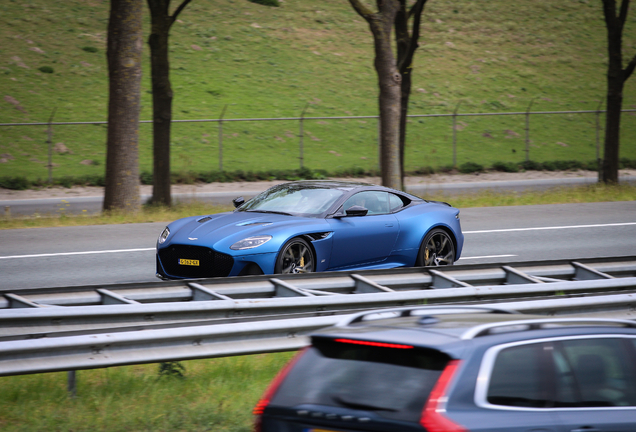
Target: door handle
{"points": [[388, 225], [586, 429]]}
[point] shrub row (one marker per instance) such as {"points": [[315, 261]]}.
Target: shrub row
{"points": [[190, 177], [559, 165], [22, 183]]}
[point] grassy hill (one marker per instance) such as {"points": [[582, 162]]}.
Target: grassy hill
{"points": [[490, 56]]}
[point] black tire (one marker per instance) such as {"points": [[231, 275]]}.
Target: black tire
{"points": [[437, 249], [295, 257]]}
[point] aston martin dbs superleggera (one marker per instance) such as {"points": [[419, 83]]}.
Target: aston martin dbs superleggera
{"points": [[309, 226]]}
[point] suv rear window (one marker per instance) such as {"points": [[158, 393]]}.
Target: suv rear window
{"points": [[392, 382]]}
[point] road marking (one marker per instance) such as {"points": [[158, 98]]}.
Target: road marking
{"points": [[550, 228], [465, 232], [76, 253], [488, 256]]}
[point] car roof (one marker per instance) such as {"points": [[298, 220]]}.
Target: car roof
{"points": [[348, 186], [448, 328]]}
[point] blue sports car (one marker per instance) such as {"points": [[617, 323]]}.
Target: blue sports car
{"points": [[312, 226]]}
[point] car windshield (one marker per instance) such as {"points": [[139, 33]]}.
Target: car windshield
{"points": [[293, 199]]}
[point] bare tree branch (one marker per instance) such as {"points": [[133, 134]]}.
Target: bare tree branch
{"points": [[623, 13], [609, 11], [417, 8], [176, 13], [629, 69], [415, 33], [362, 10]]}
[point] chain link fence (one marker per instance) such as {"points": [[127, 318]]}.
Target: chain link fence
{"points": [[432, 139]]}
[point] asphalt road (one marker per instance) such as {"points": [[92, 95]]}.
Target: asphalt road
{"points": [[93, 204], [69, 256]]}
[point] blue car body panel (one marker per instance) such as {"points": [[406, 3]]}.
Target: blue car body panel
{"points": [[373, 241]]}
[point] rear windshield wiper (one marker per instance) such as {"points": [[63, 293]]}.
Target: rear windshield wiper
{"points": [[269, 211], [358, 405]]}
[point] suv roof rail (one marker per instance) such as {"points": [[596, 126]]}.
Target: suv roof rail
{"points": [[535, 324], [409, 311]]}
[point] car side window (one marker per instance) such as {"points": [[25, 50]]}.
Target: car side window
{"points": [[374, 201], [595, 372], [574, 373], [395, 203], [516, 378]]}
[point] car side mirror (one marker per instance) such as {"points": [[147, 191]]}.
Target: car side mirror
{"points": [[238, 201], [357, 210]]}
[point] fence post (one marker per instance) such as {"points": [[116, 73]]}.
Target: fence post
{"points": [[380, 144], [221, 138], [302, 134], [455, 134], [599, 162], [528, 129], [49, 141]]}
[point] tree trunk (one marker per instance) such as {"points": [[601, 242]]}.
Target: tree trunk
{"points": [[612, 130], [161, 21], [406, 46], [389, 100], [616, 77], [405, 90], [381, 24], [161, 101], [124, 72]]}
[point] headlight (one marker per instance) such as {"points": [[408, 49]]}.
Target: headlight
{"points": [[164, 235], [251, 242]]}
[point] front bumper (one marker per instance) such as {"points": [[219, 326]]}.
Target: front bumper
{"points": [[210, 263]]}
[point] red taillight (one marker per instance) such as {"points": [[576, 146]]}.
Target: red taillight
{"points": [[271, 390], [375, 344], [433, 418]]}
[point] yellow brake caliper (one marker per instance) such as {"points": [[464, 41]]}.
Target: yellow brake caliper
{"points": [[302, 261]]}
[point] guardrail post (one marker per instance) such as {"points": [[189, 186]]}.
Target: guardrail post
{"points": [[528, 129], [72, 383], [302, 134], [221, 138], [455, 134]]}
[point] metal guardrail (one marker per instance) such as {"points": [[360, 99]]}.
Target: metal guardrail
{"points": [[39, 313], [219, 340]]}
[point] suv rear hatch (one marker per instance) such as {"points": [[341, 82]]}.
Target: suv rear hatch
{"points": [[341, 384]]}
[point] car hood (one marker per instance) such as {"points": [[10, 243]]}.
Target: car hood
{"points": [[220, 231]]}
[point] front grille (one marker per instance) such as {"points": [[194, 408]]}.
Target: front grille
{"points": [[211, 263]]}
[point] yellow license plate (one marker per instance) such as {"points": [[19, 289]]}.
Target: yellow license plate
{"points": [[188, 262]]}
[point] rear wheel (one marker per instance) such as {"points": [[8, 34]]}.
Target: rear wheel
{"points": [[295, 257], [437, 249]]}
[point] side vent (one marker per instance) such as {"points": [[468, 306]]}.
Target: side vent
{"points": [[319, 236]]}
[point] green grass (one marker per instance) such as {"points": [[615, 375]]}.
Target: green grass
{"points": [[271, 62], [216, 395], [591, 193]]}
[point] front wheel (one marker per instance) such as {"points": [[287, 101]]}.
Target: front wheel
{"points": [[295, 257], [437, 249]]}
